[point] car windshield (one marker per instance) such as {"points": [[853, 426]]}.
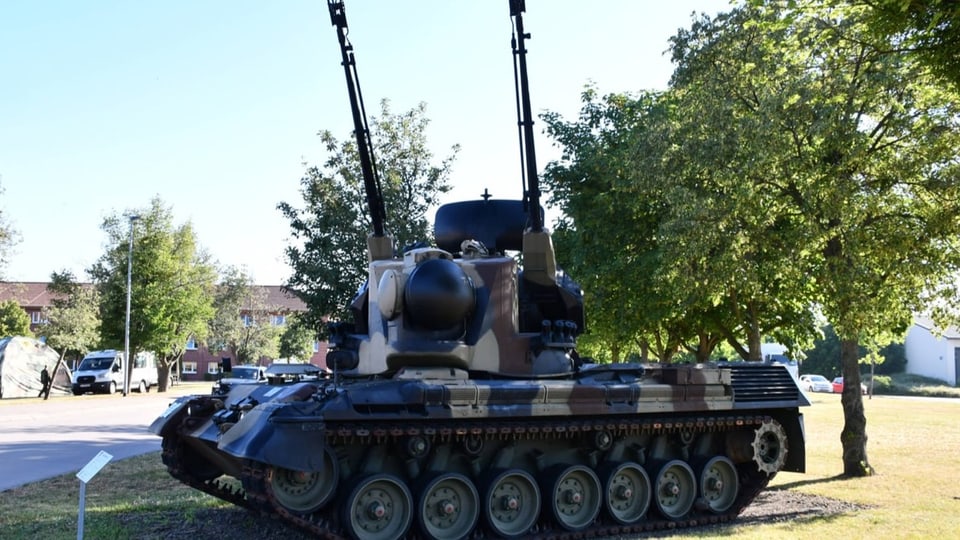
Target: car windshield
{"points": [[244, 373], [818, 378], [95, 364]]}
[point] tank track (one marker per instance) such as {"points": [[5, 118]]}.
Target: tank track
{"points": [[257, 495], [170, 455]]}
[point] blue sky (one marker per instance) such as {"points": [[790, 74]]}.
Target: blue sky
{"points": [[214, 106]]}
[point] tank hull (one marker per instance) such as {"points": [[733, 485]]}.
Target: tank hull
{"points": [[439, 453]]}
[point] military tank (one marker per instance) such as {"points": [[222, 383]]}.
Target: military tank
{"points": [[458, 406]]}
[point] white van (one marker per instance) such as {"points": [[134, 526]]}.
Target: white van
{"points": [[102, 371]]}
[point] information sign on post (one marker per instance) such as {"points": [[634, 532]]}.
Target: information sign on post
{"points": [[85, 474]]}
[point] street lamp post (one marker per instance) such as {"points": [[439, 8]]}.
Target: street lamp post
{"points": [[126, 328]]}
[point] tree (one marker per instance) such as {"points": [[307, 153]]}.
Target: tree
{"points": [[172, 286], [330, 231], [297, 340], [595, 243], [824, 357], [929, 29], [8, 239], [853, 148], [691, 267], [242, 323], [73, 321], [14, 321]]}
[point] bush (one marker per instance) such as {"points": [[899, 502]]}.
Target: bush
{"points": [[917, 385], [882, 384]]}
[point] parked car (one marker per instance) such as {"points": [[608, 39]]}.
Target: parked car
{"points": [[815, 383], [240, 375], [838, 386]]}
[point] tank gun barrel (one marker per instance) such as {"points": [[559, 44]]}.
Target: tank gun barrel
{"points": [[371, 181], [528, 155]]}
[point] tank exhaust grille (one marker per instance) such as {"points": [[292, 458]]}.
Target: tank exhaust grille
{"points": [[762, 383]]}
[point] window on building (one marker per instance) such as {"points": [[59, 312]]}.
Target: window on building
{"points": [[247, 319], [213, 368], [316, 346], [190, 368], [279, 320], [36, 317], [191, 344]]}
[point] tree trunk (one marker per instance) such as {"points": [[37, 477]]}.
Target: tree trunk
{"points": [[164, 366], [854, 434], [53, 375], [163, 376], [753, 343]]}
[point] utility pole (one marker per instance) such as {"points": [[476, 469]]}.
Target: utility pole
{"points": [[126, 329]]}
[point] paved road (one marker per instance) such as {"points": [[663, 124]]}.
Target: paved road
{"points": [[40, 439]]}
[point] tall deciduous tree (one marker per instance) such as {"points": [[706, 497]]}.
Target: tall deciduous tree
{"points": [[929, 29], [670, 260], [172, 286], [242, 325], [852, 148], [73, 316], [297, 340], [329, 232], [606, 238], [14, 321], [8, 238]]}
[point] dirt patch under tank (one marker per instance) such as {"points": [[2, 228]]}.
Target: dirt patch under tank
{"points": [[771, 506]]}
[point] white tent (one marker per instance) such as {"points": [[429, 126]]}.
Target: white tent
{"points": [[21, 360]]}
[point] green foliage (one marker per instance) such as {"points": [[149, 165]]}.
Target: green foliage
{"points": [[928, 29], [824, 357], [672, 253], [172, 285], [8, 238], [247, 339], [14, 321], [73, 317], [881, 384], [852, 146], [297, 340], [917, 385], [329, 233]]}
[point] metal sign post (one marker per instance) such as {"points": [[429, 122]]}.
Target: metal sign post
{"points": [[86, 473]]}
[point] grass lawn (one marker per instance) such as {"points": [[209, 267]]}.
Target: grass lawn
{"points": [[913, 445]]}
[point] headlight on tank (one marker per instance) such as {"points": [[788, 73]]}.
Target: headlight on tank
{"points": [[438, 295]]}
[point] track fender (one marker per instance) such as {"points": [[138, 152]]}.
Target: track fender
{"points": [[267, 435], [167, 422]]}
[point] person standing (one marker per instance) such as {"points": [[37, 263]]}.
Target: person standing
{"points": [[45, 383]]}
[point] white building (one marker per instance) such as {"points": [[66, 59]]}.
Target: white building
{"points": [[932, 353]]}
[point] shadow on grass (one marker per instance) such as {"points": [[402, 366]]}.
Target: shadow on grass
{"points": [[812, 482]]}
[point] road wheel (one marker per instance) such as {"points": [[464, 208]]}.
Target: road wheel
{"points": [[112, 389], [511, 503], [627, 490], [675, 489], [380, 507], [573, 496], [303, 492], [142, 387], [719, 484], [448, 508]]}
